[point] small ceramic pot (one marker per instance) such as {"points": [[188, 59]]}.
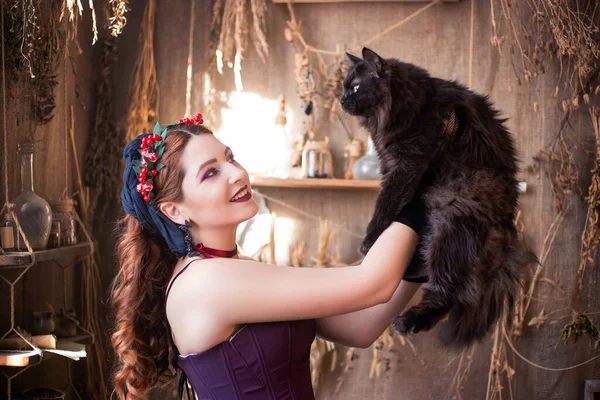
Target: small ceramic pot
{"points": [[44, 394], [43, 322]]}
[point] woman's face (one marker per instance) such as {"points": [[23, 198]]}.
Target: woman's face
{"points": [[216, 189]]}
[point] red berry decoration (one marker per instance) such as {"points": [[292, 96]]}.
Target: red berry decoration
{"points": [[154, 172], [198, 119], [152, 157], [143, 163], [146, 198]]}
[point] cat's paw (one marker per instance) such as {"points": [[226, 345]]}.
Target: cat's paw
{"points": [[366, 246], [404, 325]]}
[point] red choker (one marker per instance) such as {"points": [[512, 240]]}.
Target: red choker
{"points": [[211, 253]]}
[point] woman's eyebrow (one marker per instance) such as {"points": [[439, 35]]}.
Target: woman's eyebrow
{"points": [[212, 160], [204, 164]]}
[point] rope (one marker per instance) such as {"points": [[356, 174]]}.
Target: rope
{"points": [[541, 366], [311, 216], [4, 130], [188, 86], [294, 26], [66, 192], [472, 30]]}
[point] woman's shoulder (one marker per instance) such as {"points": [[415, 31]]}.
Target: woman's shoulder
{"points": [[196, 271]]}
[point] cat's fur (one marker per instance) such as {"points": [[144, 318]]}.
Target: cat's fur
{"points": [[473, 255]]}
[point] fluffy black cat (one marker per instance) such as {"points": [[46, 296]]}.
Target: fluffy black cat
{"points": [[439, 140]]}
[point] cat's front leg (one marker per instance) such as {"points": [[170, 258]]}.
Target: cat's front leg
{"points": [[396, 191]]}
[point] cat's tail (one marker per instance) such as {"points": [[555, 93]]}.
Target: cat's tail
{"points": [[505, 268]]}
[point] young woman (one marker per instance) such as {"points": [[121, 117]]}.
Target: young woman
{"points": [[237, 328]]}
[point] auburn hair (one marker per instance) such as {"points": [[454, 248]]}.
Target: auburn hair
{"points": [[145, 265]]}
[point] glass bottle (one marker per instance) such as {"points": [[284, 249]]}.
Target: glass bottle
{"points": [[34, 213], [7, 232], [367, 167]]}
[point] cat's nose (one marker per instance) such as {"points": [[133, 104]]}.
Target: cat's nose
{"points": [[343, 100]]}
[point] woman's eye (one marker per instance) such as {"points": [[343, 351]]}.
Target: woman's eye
{"points": [[209, 173], [231, 158], [356, 88]]}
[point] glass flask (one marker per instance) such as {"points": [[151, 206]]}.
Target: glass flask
{"points": [[34, 213]]}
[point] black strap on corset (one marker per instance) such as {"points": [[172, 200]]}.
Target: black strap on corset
{"points": [[183, 377]]}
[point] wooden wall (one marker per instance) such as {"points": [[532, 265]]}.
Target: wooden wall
{"points": [[439, 41], [43, 284]]}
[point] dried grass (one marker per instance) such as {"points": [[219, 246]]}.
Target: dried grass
{"points": [[144, 93]]}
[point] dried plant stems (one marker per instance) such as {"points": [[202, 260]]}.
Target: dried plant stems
{"points": [[144, 94], [102, 157], [117, 20], [590, 238]]}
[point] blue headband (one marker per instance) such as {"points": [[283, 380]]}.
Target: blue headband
{"points": [[145, 212]]}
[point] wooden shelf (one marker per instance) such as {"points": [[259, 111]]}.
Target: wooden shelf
{"points": [[335, 184], [61, 253], [66, 345]]}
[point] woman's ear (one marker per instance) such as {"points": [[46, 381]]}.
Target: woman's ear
{"points": [[173, 212]]}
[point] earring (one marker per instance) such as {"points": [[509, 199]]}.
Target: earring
{"points": [[188, 239]]}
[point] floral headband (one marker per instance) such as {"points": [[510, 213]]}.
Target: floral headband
{"points": [[151, 150]]}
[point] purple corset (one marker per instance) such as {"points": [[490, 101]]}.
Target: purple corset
{"points": [[262, 361]]}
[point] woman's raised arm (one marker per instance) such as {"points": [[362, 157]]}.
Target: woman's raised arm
{"points": [[242, 291]]}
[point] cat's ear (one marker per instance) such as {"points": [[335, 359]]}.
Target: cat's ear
{"points": [[372, 58], [353, 58]]}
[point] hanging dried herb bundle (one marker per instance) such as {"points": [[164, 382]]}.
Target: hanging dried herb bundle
{"points": [[590, 238], [35, 44], [102, 157], [538, 32], [582, 325], [117, 19], [333, 87], [143, 96], [232, 17]]}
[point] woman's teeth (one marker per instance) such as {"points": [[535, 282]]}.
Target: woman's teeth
{"points": [[240, 195]]}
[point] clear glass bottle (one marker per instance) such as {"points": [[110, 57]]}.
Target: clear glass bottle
{"points": [[7, 232], [367, 167], [34, 213]]}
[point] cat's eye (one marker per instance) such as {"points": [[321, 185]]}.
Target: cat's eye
{"points": [[355, 88]]}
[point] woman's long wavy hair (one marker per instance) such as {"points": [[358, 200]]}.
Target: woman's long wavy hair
{"points": [[146, 264]]}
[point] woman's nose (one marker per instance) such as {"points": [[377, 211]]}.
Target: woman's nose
{"points": [[236, 173]]}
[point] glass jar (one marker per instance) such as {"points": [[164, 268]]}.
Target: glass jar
{"points": [[7, 232], [54, 238], [63, 212], [367, 167], [317, 159], [352, 152], [34, 213]]}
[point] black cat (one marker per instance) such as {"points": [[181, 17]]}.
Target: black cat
{"points": [[438, 139]]}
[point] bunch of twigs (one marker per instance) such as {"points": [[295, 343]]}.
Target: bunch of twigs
{"points": [[143, 96], [102, 156]]}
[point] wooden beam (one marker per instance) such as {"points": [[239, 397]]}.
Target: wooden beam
{"points": [[363, 1]]}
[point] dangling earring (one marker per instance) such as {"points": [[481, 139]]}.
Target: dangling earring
{"points": [[188, 239]]}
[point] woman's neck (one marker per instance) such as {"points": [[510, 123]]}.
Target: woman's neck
{"points": [[221, 239]]}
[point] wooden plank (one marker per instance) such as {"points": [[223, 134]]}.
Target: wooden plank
{"points": [[23, 258], [314, 183], [16, 343]]}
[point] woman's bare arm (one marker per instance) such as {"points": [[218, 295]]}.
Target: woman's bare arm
{"points": [[242, 291], [361, 328]]}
